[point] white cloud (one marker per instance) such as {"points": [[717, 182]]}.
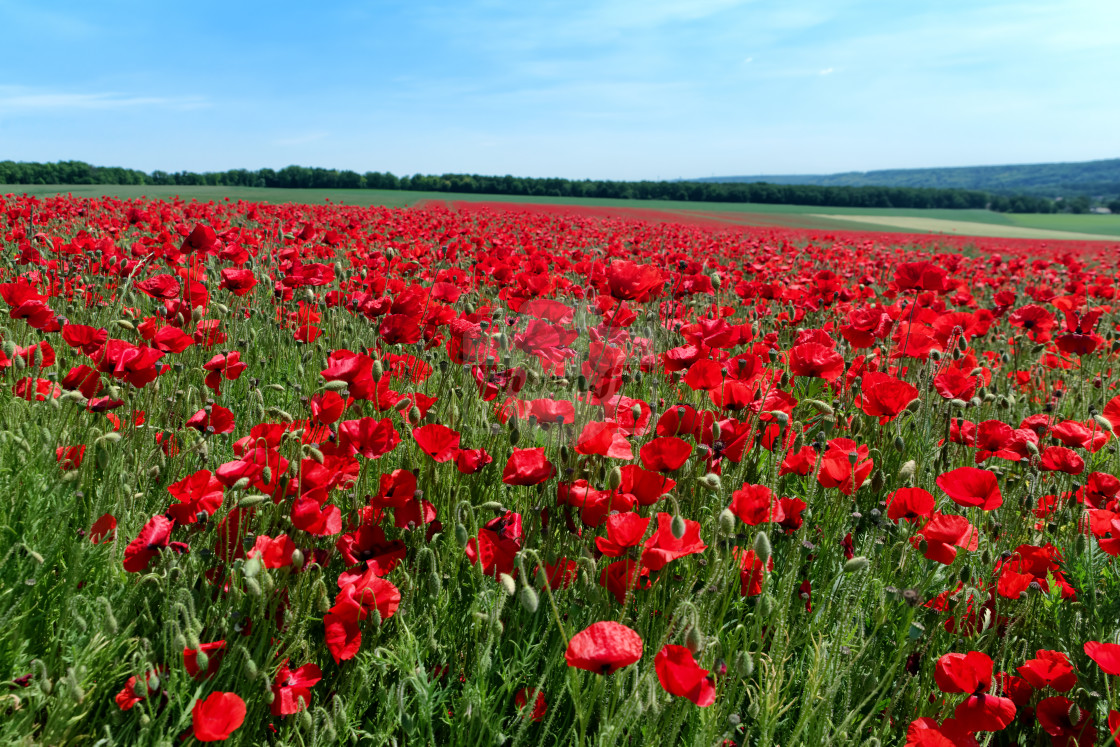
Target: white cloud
{"points": [[17, 99]]}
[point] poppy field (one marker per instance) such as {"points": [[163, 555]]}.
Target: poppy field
{"points": [[485, 475]]}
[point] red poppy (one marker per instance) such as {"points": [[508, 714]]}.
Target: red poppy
{"points": [[604, 648], [527, 467], [663, 546], [909, 504], [196, 493], [885, 397], [751, 572], [1054, 717], [291, 689], [103, 530], [540, 707], [214, 651], [970, 486], [69, 457], [815, 361], [497, 544], [753, 504], [628, 281], [665, 453], [624, 530], [604, 439], [212, 419], [1050, 669], [369, 437], [1106, 655], [680, 675], [840, 470], [154, 536]]}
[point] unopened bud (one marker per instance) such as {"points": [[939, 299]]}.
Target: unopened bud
{"points": [[678, 526], [762, 547], [508, 584], [857, 564]]}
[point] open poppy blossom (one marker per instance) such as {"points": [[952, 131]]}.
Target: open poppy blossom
{"points": [[604, 648], [970, 486], [527, 467], [680, 675]]}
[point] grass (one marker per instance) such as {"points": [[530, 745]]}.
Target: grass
{"points": [[793, 216]]}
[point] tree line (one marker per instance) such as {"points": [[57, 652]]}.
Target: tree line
{"points": [[302, 177]]}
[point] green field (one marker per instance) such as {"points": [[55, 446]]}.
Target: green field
{"points": [[962, 222]]}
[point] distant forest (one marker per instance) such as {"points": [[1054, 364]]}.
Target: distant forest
{"points": [[301, 177], [1093, 179]]}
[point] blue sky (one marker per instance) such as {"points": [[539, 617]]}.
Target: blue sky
{"points": [[626, 89]]}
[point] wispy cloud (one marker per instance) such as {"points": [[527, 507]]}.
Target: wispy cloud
{"points": [[15, 99]]}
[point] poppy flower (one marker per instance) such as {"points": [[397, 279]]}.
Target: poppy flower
{"points": [[69, 457], [909, 504], [528, 467], [840, 470], [663, 547], [751, 572], [604, 648], [540, 707], [103, 530], [885, 397], [628, 281], [497, 544], [753, 504], [153, 537], [813, 360], [665, 453], [195, 493], [1049, 669], [624, 530], [291, 689], [1106, 655], [1061, 459], [212, 419], [369, 437], [971, 486], [274, 552], [214, 651], [604, 439], [680, 675], [1054, 717]]}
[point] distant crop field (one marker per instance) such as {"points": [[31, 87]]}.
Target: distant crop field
{"points": [[965, 222]]}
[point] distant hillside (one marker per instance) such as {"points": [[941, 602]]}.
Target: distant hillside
{"points": [[1089, 178]]}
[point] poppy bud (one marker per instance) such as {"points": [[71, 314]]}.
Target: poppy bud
{"points": [[877, 480], [678, 526], [335, 385], [266, 474], [761, 547], [923, 546], [461, 535], [966, 574], [615, 478], [253, 587], [712, 482], [377, 370], [529, 599], [435, 584], [297, 559], [727, 521], [1074, 714], [694, 640], [744, 665], [900, 444], [508, 584], [857, 426], [958, 403], [857, 564], [241, 484], [581, 383], [414, 415], [783, 381], [1104, 423], [514, 436]]}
